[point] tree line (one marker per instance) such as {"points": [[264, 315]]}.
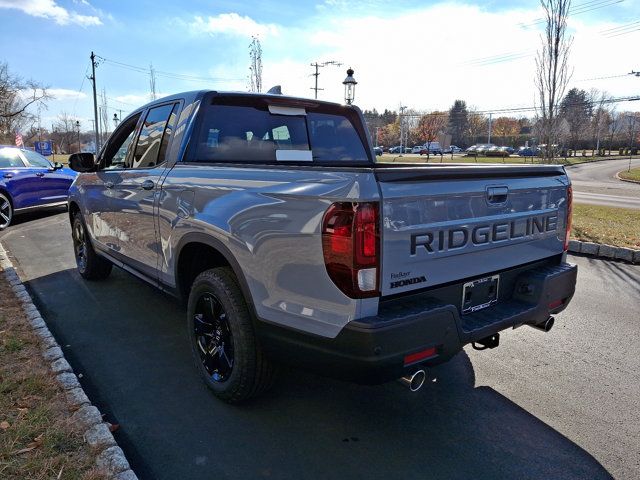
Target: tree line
{"points": [[587, 120]]}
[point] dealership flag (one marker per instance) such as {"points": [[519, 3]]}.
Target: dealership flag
{"points": [[19, 142]]}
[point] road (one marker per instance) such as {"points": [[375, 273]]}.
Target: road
{"points": [[596, 183], [565, 404]]}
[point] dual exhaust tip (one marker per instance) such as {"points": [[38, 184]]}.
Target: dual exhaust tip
{"points": [[415, 381]]}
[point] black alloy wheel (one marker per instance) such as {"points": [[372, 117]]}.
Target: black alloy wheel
{"points": [[79, 245], [213, 336]]}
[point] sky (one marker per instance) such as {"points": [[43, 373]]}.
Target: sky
{"points": [[423, 54]]}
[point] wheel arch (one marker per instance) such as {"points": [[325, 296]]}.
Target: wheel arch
{"points": [[72, 210], [198, 252]]}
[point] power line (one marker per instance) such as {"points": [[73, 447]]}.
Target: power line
{"points": [[602, 78], [317, 73], [577, 10], [166, 74], [621, 27]]}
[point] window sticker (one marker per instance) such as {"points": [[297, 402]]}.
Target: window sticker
{"points": [[212, 138]]}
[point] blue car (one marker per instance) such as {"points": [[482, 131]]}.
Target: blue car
{"points": [[28, 181]]}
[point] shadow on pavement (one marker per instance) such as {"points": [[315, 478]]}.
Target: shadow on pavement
{"points": [[129, 342]]}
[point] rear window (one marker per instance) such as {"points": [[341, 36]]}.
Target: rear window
{"points": [[252, 133]]}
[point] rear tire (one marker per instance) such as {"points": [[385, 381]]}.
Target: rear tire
{"points": [[223, 342], [90, 265], [6, 211]]}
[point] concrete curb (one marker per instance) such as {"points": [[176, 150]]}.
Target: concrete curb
{"points": [[625, 179], [601, 250], [110, 458]]}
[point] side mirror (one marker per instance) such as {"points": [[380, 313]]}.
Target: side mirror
{"points": [[82, 162], [57, 166]]}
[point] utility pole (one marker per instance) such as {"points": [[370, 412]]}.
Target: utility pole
{"points": [[489, 135], [317, 73], [402, 109], [633, 131], [94, 64]]}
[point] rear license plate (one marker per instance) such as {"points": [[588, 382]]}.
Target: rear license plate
{"points": [[480, 294]]}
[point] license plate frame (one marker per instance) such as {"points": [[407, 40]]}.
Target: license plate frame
{"points": [[480, 294]]}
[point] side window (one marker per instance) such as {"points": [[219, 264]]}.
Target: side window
{"points": [[116, 151], [151, 147], [10, 158], [35, 159]]}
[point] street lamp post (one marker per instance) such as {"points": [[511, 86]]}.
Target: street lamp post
{"points": [[349, 87], [78, 128]]}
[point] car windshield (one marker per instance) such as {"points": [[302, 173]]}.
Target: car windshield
{"points": [[35, 159]]}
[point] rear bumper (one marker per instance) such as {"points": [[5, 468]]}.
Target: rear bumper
{"points": [[372, 350]]}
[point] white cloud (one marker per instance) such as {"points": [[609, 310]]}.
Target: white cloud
{"points": [[49, 9], [66, 94], [233, 24], [430, 56]]}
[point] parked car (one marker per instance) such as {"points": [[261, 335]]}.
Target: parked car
{"points": [[417, 149], [498, 151], [28, 181], [396, 149], [452, 149], [528, 151], [360, 270], [432, 148], [378, 151]]}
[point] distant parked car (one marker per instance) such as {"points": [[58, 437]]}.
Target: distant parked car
{"points": [[432, 148], [28, 181], [396, 149], [480, 148], [499, 151], [377, 150], [417, 149], [528, 151], [452, 149]]}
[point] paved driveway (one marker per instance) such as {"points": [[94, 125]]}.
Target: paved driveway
{"points": [[596, 183], [558, 405]]}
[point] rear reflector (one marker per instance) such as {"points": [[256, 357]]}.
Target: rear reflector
{"points": [[416, 357], [555, 304]]}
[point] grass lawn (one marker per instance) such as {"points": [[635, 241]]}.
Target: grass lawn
{"points": [[64, 159], [610, 225], [634, 174], [37, 441]]}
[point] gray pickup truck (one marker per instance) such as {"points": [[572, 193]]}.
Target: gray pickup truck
{"points": [[269, 216]]}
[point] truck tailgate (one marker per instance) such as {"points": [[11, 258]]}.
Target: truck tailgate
{"points": [[445, 223]]}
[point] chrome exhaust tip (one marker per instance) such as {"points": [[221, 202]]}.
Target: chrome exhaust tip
{"points": [[546, 325], [415, 381]]}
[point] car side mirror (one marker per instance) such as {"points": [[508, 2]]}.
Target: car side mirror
{"points": [[82, 162], [57, 166]]}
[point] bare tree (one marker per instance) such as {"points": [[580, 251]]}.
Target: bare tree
{"points": [[552, 69], [600, 117], [65, 135], [16, 97], [255, 65]]}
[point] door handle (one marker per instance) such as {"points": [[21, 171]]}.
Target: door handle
{"points": [[147, 185], [39, 174], [497, 195], [108, 184], [8, 175]]}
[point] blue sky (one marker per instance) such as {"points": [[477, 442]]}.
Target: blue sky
{"points": [[423, 54]]}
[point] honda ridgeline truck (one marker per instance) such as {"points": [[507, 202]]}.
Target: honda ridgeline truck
{"points": [[269, 216]]}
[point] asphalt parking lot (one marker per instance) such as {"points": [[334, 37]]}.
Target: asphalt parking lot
{"points": [[560, 405]]}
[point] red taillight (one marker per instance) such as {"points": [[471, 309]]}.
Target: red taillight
{"points": [[351, 247], [569, 217], [555, 304]]}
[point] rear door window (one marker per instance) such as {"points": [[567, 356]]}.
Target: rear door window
{"points": [[252, 133], [152, 141], [10, 158]]}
